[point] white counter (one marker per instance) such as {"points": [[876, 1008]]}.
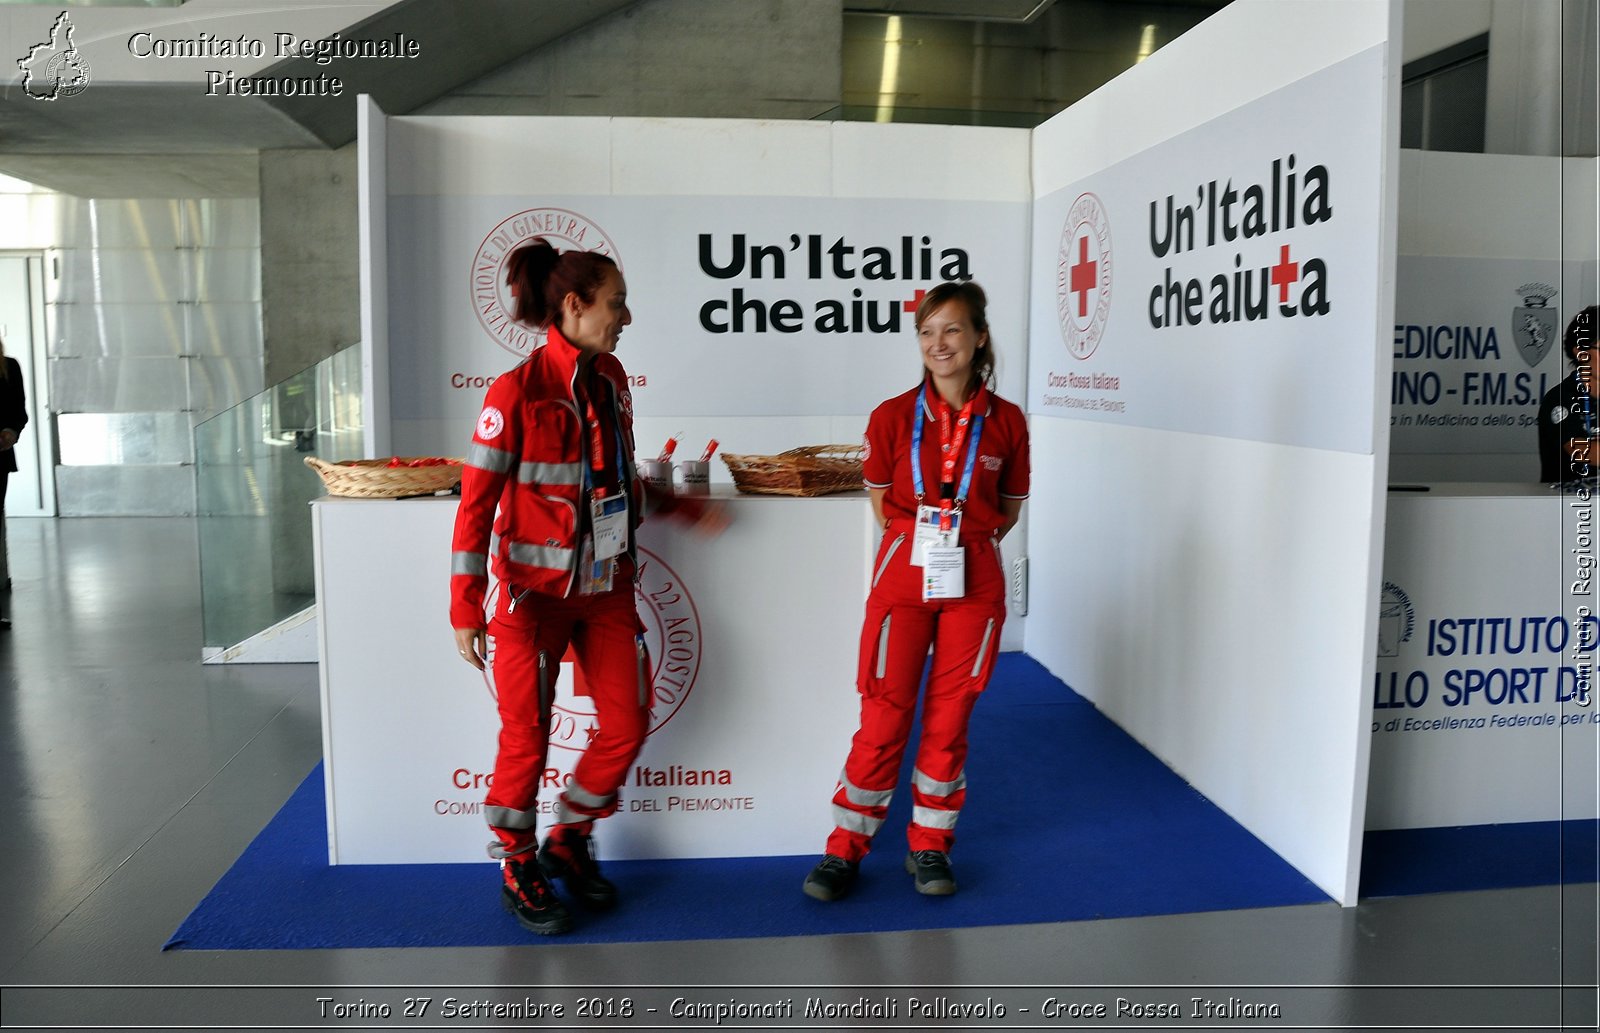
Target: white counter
{"points": [[753, 638], [1482, 658]]}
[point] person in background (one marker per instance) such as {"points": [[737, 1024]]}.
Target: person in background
{"points": [[946, 466], [13, 417], [1569, 418], [550, 499]]}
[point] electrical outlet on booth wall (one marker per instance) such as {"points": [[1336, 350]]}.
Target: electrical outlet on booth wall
{"points": [[1019, 586]]}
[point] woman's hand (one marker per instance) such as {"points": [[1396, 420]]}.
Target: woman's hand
{"points": [[8, 437], [473, 645]]}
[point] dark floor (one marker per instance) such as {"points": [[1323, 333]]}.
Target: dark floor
{"points": [[138, 775]]}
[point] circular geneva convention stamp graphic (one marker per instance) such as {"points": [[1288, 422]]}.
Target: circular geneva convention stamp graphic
{"points": [[672, 639], [491, 298], [1083, 275]]}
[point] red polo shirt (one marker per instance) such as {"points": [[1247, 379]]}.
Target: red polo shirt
{"points": [[1001, 470]]}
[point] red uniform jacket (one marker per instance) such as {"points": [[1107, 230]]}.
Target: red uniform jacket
{"points": [[522, 486], [1001, 471]]}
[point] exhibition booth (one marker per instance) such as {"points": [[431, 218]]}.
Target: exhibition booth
{"points": [[1191, 276], [740, 695], [1485, 623]]}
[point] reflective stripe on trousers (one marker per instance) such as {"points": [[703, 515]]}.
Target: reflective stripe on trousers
{"points": [[896, 635]]}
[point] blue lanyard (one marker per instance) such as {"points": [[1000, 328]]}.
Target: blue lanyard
{"points": [[622, 480], [1586, 408], [916, 450]]}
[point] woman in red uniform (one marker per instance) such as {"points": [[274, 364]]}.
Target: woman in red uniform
{"points": [[550, 499], [947, 469]]}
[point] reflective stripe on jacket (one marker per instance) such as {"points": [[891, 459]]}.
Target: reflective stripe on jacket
{"points": [[522, 485]]}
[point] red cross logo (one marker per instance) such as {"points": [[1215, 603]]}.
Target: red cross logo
{"points": [[1284, 273], [1083, 276], [915, 302]]}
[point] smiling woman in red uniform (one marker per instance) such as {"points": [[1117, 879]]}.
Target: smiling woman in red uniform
{"points": [[550, 498], [947, 469]]}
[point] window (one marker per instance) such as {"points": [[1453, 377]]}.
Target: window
{"points": [[1444, 97]]}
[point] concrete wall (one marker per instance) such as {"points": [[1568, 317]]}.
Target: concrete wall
{"points": [[1542, 78], [682, 58], [1542, 58], [1006, 73], [310, 287], [1432, 25]]}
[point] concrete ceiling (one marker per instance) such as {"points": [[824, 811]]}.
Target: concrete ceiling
{"points": [[965, 10], [1021, 11], [170, 139]]}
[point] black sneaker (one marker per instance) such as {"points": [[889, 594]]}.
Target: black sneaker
{"points": [[832, 879], [571, 860], [528, 896], [932, 869]]}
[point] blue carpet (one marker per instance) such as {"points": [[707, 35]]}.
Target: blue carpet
{"points": [[1067, 818], [1400, 862]]}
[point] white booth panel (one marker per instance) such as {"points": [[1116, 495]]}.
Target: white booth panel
{"points": [[372, 187], [1206, 607], [669, 157], [1486, 651], [496, 155], [754, 657], [1204, 385], [898, 160]]}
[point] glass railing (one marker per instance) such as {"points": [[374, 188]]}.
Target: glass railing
{"points": [[254, 492]]}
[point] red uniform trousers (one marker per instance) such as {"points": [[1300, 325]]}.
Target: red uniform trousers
{"points": [[899, 627], [530, 637]]}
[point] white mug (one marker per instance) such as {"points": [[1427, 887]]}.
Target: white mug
{"points": [[659, 474], [693, 477]]}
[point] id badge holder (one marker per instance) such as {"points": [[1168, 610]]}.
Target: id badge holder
{"points": [[944, 572], [929, 535], [609, 518], [594, 575]]}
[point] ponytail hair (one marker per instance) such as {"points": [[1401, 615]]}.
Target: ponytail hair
{"points": [[971, 295], [540, 276]]}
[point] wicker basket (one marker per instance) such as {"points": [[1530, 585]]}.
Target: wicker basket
{"points": [[376, 479], [812, 470]]}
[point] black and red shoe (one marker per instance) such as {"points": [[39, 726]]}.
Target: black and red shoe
{"points": [[832, 879], [932, 871], [569, 856], [526, 893]]}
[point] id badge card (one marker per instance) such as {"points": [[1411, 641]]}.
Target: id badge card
{"points": [[944, 572], [928, 532], [609, 518], [594, 575]]}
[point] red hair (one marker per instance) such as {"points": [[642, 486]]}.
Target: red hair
{"points": [[540, 276]]}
